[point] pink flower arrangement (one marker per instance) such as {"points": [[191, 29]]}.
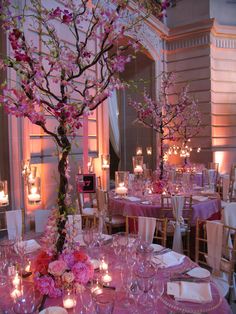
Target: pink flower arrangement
{"points": [[69, 269]]}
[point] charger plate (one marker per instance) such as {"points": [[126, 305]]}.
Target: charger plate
{"points": [[191, 307]]}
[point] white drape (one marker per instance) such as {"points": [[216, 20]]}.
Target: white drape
{"points": [[114, 123], [177, 206]]}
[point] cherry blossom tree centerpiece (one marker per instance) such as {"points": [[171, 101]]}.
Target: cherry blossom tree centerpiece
{"points": [[54, 75], [173, 116]]}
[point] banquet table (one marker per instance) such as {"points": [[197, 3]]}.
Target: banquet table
{"points": [[164, 304], [200, 209]]}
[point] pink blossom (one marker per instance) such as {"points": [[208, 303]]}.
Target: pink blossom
{"points": [[83, 272], [57, 268]]}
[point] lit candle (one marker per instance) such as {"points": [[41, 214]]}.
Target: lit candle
{"points": [[34, 196], [121, 189], [105, 164], [3, 198], [96, 287], [28, 267], [31, 179], [103, 265], [106, 278], [16, 280], [138, 169], [15, 293], [69, 303]]}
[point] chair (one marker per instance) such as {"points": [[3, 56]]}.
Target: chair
{"points": [[15, 220], [41, 219], [210, 178], [112, 220], [227, 259], [85, 202], [168, 212], [159, 235]]}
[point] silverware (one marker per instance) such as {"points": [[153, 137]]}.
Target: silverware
{"points": [[187, 279], [161, 252]]}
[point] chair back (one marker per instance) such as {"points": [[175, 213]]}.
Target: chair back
{"points": [[15, 223], [41, 219], [228, 249], [102, 200], [132, 225]]}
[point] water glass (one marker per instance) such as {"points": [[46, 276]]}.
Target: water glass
{"points": [[104, 300], [25, 300], [88, 236]]}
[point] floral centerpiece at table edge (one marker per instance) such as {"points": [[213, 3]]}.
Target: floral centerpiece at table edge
{"points": [[34, 96], [55, 272]]}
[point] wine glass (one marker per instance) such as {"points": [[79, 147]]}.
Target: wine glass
{"points": [[145, 274], [86, 301], [88, 237]]}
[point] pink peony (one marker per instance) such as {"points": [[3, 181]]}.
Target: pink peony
{"points": [[57, 268], [83, 272]]}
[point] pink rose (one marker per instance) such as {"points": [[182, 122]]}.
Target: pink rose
{"points": [[68, 277], [57, 268]]}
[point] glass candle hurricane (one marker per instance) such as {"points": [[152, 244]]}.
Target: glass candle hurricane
{"points": [[4, 201], [121, 182], [105, 162], [138, 165]]}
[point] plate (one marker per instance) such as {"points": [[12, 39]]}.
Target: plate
{"points": [[199, 272], [54, 310], [191, 307]]}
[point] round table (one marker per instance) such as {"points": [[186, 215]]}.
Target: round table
{"points": [[200, 209]]}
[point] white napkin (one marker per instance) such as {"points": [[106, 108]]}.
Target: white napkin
{"points": [[133, 198], [169, 259], [146, 228], [199, 198], [29, 246], [214, 243], [190, 291]]}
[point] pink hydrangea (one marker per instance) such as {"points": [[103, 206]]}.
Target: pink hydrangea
{"points": [[46, 286], [83, 272], [57, 268]]}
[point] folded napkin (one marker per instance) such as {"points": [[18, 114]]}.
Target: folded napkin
{"points": [[169, 259], [199, 198], [190, 291], [133, 198], [29, 246]]}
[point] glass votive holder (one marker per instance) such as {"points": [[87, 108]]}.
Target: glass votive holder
{"points": [[34, 195], [139, 151], [138, 165], [105, 159], [121, 182], [149, 150], [104, 300], [69, 299], [4, 201]]}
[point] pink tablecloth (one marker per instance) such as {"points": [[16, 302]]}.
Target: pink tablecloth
{"points": [[160, 308], [202, 210]]}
